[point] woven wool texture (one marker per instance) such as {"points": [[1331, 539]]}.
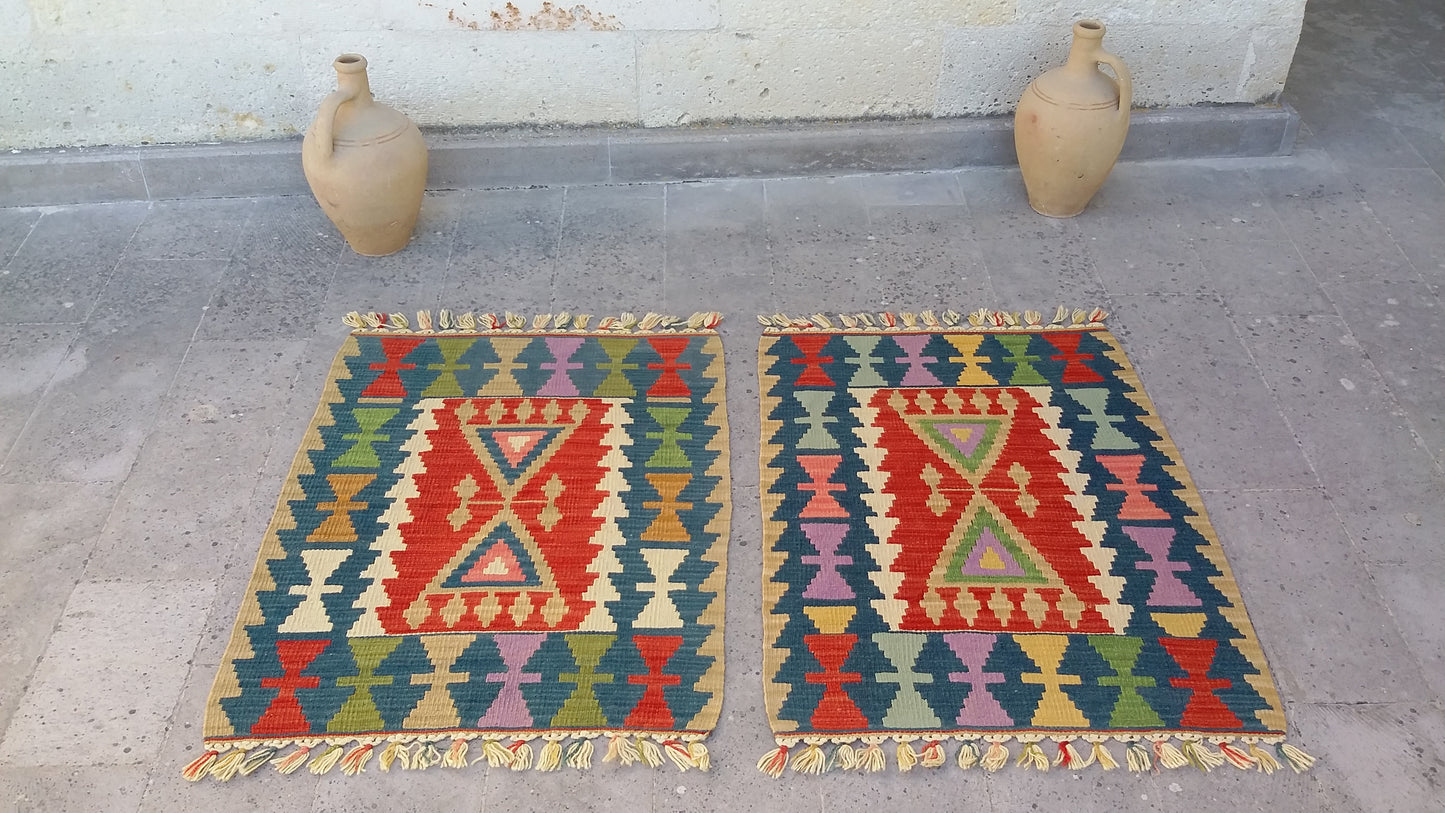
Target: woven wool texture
{"points": [[503, 535], [988, 536]]}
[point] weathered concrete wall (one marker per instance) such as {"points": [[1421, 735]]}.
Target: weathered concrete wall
{"points": [[87, 72]]}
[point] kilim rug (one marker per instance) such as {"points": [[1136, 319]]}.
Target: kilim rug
{"points": [[978, 536], [497, 534]]}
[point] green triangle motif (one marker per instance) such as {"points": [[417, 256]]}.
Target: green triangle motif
{"points": [[966, 440], [988, 554], [500, 561]]}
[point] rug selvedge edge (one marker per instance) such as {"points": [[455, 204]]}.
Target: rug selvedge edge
{"points": [[1160, 752], [226, 755]]}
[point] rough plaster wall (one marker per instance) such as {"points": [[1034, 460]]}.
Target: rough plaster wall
{"points": [[86, 72]]}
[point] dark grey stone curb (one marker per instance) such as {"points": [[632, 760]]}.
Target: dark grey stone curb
{"points": [[510, 158]]}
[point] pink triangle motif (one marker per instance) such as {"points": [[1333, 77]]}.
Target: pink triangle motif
{"points": [[516, 444], [498, 564]]}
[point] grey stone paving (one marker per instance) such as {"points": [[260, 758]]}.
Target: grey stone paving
{"points": [[159, 362]]}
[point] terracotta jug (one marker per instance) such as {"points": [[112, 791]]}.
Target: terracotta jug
{"points": [[366, 164], [1070, 125]]}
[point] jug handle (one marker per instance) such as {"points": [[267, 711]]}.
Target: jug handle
{"points": [[326, 118], [1125, 81]]}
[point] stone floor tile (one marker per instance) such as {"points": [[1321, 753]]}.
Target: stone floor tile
{"points": [[742, 410], [1411, 594], [106, 688], [927, 257], [1211, 201], [278, 279], [1261, 277], [1381, 758], [830, 269], [1367, 140], [47, 536], [1308, 589], [1145, 263], [1331, 224], [58, 273], [1042, 274], [611, 255], [504, 255], [156, 299], [1219, 411], [293, 416], [1429, 142], [805, 205], [448, 790], [228, 380], [822, 257], [734, 786], [947, 788], [31, 356], [716, 238], [1378, 49], [99, 410], [1410, 204], [1401, 327], [1385, 485], [202, 229], [1182, 790], [999, 207], [165, 526], [240, 547], [716, 235], [893, 191], [72, 789], [1339, 407], [1136, 197], [1397, 524], [15, 227], [606, 786], [738, 298]]}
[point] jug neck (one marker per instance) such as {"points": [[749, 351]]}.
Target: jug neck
{"points": [[1088, 42], [351, 77]]}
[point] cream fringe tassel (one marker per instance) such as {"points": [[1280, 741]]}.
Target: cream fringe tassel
{"points": [[223, 763], [982, 319], [446, 321], [1144, 753]]}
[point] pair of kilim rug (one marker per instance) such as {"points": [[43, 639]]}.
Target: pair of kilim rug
{"points": [[504, 540]]}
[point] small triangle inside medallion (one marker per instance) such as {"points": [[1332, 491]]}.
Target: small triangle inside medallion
{"points": [[967, 442], [514, 449], [990, 558], [500, 561], [986, 553]]}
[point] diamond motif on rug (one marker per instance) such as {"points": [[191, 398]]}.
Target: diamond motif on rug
{"points": [[491, 539], [985, 536]]}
